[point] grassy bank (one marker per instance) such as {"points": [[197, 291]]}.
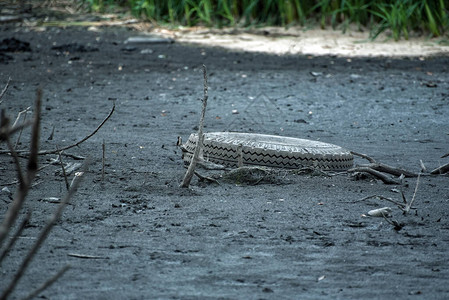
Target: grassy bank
{"points": [[400, 17]]}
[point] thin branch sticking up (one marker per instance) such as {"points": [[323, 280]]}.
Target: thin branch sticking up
{"points": [[409, 204], [199, 144]]}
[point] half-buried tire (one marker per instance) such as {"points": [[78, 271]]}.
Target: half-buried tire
{"points": [[269, 150]]}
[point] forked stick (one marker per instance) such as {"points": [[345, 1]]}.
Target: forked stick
{"points": [[199, 144], [383, 167], [409, 204]]}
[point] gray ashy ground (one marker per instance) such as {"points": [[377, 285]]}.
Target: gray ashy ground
{"points": [[304, 237]]}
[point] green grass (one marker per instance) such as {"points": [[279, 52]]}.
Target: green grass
{"points": [[399, 17]]}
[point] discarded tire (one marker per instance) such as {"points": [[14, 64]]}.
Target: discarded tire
{"points": [[268, 150]]}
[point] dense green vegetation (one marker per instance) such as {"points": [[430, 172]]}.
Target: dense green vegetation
{"points": [[400, 16]]}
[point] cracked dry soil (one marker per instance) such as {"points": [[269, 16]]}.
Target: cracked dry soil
{"points": [[298, 237]]}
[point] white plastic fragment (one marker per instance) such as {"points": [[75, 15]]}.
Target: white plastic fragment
{"points": [[380, 212], [6, 191]]}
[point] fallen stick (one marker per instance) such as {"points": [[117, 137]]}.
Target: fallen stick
{"points": [[441, 170], [381, 176], [391, 170], [86, 256], [199, 144], [381, 167], [368, 158]]}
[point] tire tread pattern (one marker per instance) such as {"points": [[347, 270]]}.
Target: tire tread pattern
{"points": [[220, 149]]}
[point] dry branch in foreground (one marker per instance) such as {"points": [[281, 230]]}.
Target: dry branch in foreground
{"points": [[25, 179]]}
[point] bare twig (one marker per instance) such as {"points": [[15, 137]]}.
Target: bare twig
{"points": [[441, 170], [50, 137], [24, 181], [369, 158], [45, 152], [383, 167], [4, 90], [42, 236], [423, 166], [445, 155], [401, 205], [25, 111], [381, 176], [47, 283], [199, 144], [409, 204], [23, 122], [391, 170], [11, 242], [82, 140], [394, 223]]}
